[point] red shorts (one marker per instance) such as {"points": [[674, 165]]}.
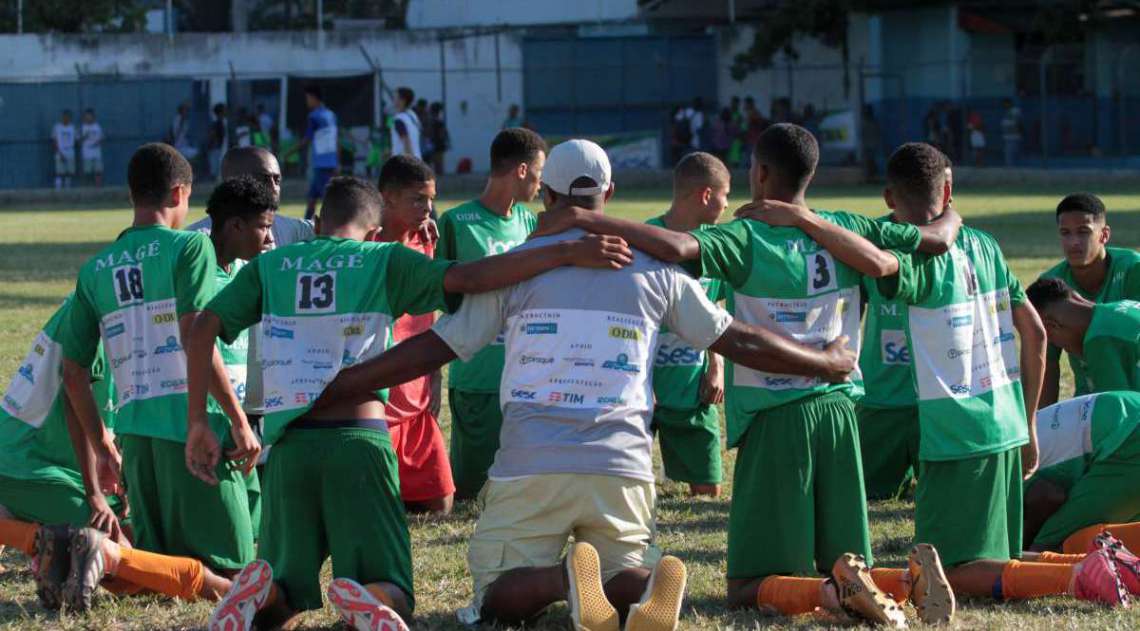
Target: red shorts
{"points": [[425, 471]]}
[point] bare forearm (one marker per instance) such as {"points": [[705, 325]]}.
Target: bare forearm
{"points": [[761, 349], [1051, 388], [84, 452], [940, 234], [77, 383], [667, 245], [1032, 334], [504, 270], [200, 349], [222, 390], [849, 247], [412, 358]]}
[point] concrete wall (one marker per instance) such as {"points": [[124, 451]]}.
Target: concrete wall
{"points": [[486, 85], [451, 13]]}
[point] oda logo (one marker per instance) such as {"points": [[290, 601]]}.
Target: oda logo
{"points": [[625, 333]]}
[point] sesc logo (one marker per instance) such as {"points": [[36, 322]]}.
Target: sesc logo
{"points": [[621, 363], [566, 397], [625, 333], [526, 395], [960, 388], [677, 356], [274, 402], [541, 328], [171, 346], [778, 382], [895, 350]]}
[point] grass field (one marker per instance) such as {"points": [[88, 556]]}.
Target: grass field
{"points": [[41, 251]]}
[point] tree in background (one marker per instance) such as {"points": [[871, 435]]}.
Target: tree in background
{"points": [[75, 16]]}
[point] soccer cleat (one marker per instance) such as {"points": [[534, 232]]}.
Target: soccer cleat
{"points": [[1096, 579], [1127, 564], [52, 562], [590, 610], [660, 607], [860, 597], [87, 565], [360, 610], [930, 590], [248, 593]]}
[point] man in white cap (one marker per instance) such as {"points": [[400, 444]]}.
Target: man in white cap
{"points": [[577, 396]]}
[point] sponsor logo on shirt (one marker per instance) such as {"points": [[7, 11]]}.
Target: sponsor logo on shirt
{"points": [[274, 402], [141, 389], [621, 363], [26, 372], [39, 349], [168, 384], [535, 359], [1003, 337], [566, 397], [541, 328], [467, 216], [115, 330], [347, 359], [960, 388], [581, 346], [318, 365], [353, 329], [163, 318], [579, 362], [527, 395], [12, 403], [269, 363], [171, 346], [611, 401], [789, 316], [957, 322], [777, 381], [585, 383], [955, 353], [281, 332], [625, 333], [677, 356]]}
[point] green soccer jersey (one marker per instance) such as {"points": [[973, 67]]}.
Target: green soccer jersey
{"points": [[1122, 282], [131, 295], [234, 355], [678, 367], [885, 357], [323, 305], [34, 441], [1073, 434], [1112, 347], [965, 362], [784, 281], [470, 232]]}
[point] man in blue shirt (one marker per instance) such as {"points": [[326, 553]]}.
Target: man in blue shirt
{"points": [[321, 135]]}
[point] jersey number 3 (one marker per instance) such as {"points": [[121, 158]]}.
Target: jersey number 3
{"points": [[316, 293], [820, 272], [128, 284]]}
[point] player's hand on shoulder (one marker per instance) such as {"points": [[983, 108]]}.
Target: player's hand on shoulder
{"points": [[773, 213], [600, 251], [555, 221], [841, 360]]}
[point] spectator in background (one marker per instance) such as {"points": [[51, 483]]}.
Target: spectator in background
{"points": [[179, 134], [737, 115], [514, 117], [406, 125], [321, 135], [1011, 131], [440, 138], [977, 131], [694, 117], [243, 129], [91, 147], [723, 133], [810, 120], [952, 129], [63, 145], [218, 142], [259, 134], [265, 123], [680, 134], [872, 143], [755, 124]]}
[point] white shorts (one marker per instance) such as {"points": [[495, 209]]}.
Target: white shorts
{"points": [[93, 164], [64, 164]]}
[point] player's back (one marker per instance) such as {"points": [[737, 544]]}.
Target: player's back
{"points": [[576, 389]]}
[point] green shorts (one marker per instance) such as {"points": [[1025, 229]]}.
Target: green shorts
{"points": [[889, 437], [1106, 494], [970, 509], [334, 492], [48, 500], [690, 444], [797, 499], [177, 514], [476, 419], [253, 497]]}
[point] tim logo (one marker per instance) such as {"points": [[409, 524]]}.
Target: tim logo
{"points": [[26, 372], [171, 346], [566, 397]]}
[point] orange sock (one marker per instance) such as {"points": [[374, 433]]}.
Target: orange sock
{"points": [[790, 595], [1057, 557], [892, 581], [1080, 541], [19, 534], [1021, 580], [180, 577]]}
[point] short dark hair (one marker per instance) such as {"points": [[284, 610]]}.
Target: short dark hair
{"points": [[1047, 291], [407, 94], [698, 170], [1081, 203], [916, 172], [154, 169], [219, 108], [350, 200], [402, 171], [514, 146], [242, 196], [789, 150], [315, 91]]}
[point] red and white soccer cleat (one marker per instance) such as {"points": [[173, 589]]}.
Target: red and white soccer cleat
{"points": [[250, 590], [1096, 579], [361, 610], [1127, 564]]}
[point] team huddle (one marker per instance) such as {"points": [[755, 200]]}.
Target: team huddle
{"points": [[216, 411]]}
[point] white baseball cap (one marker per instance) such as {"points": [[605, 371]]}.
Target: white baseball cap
{"points": [[573, 159]]}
